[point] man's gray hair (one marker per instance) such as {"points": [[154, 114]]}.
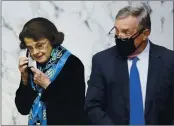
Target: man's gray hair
{"points": [[141, 11]]}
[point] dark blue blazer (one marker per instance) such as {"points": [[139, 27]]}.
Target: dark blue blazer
{"points": [[107, 98]]}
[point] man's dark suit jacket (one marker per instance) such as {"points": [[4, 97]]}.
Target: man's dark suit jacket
{"points": [[107, 98]]}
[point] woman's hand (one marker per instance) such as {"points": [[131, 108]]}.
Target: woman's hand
{"points": [[40, 78], [22, 66]]}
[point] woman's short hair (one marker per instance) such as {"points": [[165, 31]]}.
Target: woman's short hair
{"points": [[38, 28]]}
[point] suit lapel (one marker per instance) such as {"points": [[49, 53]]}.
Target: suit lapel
{"points": [[122, 76], [153, 71]]}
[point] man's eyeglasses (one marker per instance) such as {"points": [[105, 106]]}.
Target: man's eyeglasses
{"points": [[113, 34]]}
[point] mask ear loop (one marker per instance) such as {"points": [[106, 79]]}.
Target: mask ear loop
{"points": [[140, 32]]}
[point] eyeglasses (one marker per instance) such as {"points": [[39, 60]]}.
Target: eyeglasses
{"points": [[112, 34], [39, 46]]}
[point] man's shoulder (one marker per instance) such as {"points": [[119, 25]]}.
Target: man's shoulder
{"points": [[163, 51], [105, 53]]}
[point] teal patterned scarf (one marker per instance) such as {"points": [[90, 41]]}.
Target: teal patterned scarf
{"points": [[58, 58]]}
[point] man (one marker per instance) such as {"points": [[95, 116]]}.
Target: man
{"points": [[132, 83]]}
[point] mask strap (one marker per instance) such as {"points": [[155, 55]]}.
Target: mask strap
{"points": [[139, 32], [140, 45]]}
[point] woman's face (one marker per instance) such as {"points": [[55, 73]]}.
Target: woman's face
{"points": [[39, 50]]}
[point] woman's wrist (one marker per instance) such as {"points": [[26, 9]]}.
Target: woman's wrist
{"points": [[25, 80]]}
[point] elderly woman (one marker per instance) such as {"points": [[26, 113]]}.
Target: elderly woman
{"points": [[53, 92]]}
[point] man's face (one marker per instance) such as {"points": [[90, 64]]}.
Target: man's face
{"points": [[126, 27], [39, 50]]}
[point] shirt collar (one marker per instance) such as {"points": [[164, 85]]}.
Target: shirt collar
{"points": [[145, 53]]}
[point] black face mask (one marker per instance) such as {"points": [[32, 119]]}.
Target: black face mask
{"points": [[126, 46]]}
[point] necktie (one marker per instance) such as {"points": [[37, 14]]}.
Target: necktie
{"points": [[136, 102]]}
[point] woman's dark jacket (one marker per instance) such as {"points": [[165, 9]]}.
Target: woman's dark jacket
{"points": [[64, 97]]}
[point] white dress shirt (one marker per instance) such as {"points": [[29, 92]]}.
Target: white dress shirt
{"points": [[142, 65]]}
